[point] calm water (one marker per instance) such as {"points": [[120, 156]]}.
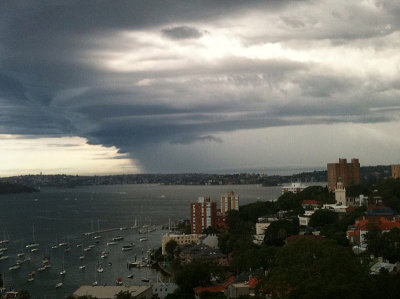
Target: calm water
{"points": [[65, 214]]}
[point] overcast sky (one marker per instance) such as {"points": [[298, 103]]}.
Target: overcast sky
{"points": [[194, 86]]}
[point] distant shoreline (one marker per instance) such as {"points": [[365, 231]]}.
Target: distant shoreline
{"points": [[368, 174]]}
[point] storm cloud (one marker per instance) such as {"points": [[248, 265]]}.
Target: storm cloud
{"points": [[151, 77]]}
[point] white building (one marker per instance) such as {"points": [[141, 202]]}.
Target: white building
{"points": [[340, 194], [261, 226], [293, 187], [305, 218]]}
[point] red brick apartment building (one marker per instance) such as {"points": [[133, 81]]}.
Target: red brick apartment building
{"points": [[348, 172], [203, 214]]}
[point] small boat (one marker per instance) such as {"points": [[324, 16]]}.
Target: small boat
{"points": [[82, 257], [79, 245], [118, 282], [15, 267], [59, 285], [130, 276], [123, 228], [68, 249], [143, 239], [133, 264], [95, 283], [63, 244], [33, 250], [21, 254], [145, 279], [104, 256], [128, 247], [87, 249], [55, 246], [100, 269], [30, 279], [91, 246], [118, 238], [111, 243], [32, 244], [63, 271], [47, 266], [41, 269], [97, 237], [83, 267], [45, 260], [19, 262], [109, 263]]}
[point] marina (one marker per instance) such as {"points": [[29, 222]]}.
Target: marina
{"points": [[72, 220]]}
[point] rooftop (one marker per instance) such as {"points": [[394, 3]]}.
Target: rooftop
{"points": [[105, 292]]}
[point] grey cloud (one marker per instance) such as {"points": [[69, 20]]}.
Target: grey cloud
{"points": [[181, 32], [48, 89]]}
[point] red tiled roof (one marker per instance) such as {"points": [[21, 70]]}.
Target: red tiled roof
{"points": [[252, 283], [381, 222], [310, 202], [216, 288]]}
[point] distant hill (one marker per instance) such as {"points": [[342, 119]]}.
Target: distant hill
{"points": [[7, 188]]}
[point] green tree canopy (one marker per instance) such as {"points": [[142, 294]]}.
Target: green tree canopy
{"points": [[278, 231], [170, 247], [323, 217], [123, 295], [312, 268], [197, 273]]}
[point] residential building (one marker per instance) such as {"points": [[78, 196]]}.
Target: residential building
{"points": [[261, 226], [221, 222], [376, 268], [340, 194], [203, 214], [191, 252], [309, 204], [109, 292], [396, 171], [180, 239], [348, 172], [340, 209], [163, 289], [229, 201], [356, 234], [305, 218], [294, 188], [215, 289]]}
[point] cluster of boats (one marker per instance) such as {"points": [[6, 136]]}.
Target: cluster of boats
{"points": [[33, 247]]}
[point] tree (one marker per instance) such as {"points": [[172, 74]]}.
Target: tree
{"points": [[197, 273], [23, 295], [323, 217], [290, 201], [123, 295], [279, 230], [170, 247], [313, 268]]}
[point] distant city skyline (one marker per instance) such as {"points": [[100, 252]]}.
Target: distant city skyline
{"points": [[177, 87]]}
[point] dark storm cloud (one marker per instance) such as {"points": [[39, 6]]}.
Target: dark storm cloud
{"points": [[181, 32], [52, 82]]}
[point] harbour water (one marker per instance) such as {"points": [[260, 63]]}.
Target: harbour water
{"points": [[64, 215]]}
